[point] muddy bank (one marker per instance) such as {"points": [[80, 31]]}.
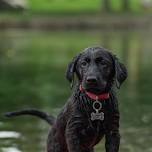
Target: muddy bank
{"points": [[79, 22]]}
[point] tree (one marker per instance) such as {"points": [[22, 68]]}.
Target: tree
{"points": [[107, 7], [125, 5]]}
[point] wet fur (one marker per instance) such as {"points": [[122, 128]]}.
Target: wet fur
{"points": [[73, 130]]}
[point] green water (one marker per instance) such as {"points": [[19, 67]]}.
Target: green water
{"points": [[32, 74]]}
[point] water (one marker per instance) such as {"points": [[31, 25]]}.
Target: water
{"points": [[33, 65]]}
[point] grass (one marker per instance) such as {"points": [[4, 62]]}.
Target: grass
{"points": [[71, 8], [78, 6], [64, 6]]}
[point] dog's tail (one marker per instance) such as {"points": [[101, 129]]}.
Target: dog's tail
{"points": [[34, 112]]}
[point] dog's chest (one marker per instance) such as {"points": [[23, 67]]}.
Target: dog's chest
{"points": [[92, 130], [91, 134]]}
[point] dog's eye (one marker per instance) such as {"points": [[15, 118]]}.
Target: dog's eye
{"points": [[101, 61], [104, 64], [84, 63]]}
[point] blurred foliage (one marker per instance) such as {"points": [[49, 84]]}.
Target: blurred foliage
{"points": [[72, 7], [82, 6], [64, 6]]}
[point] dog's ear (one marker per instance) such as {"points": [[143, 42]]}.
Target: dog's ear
{"points": [[72, 69], [120, 71]]}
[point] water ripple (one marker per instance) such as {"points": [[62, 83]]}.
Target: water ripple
{"points": [[9, 134], [10, 149]]}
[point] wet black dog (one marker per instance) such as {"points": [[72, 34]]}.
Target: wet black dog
{"points": [[92, 110]]}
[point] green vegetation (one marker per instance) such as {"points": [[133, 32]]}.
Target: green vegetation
{"points": [[79, 6], [72, 7], [64, 6]]}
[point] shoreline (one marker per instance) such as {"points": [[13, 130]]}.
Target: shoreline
{"points": [[78, 22]]}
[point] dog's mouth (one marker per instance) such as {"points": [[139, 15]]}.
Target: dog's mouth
{"points": [[94, 88]]}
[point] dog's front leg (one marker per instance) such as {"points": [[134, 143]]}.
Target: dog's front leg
{"points": [[112, 142], [112, 133], [112, 128], [73, 137]]}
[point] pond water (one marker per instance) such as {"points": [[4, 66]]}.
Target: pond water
{"points": [[33, 65]]}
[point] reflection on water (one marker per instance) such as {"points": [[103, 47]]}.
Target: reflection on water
{"points": [[9, 134], [32, 74], [12, 149]]}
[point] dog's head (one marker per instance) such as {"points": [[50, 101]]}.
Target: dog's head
{"points": [[97, 69]]}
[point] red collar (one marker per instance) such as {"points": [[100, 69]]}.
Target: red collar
{"points": [[93, 96]]}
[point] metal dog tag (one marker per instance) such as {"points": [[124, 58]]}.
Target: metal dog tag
{"points": [[97, 115]]}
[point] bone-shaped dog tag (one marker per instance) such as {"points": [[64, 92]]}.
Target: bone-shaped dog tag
{"points": [[97, 116]]}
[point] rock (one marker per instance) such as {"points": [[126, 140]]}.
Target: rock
{"points": [[146, 4], [13, 4]]}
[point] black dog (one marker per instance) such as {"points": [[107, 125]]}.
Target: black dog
{"points": [[92, 110]]}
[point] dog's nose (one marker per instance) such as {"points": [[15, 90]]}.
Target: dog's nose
{"points": [[91, 79]]}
